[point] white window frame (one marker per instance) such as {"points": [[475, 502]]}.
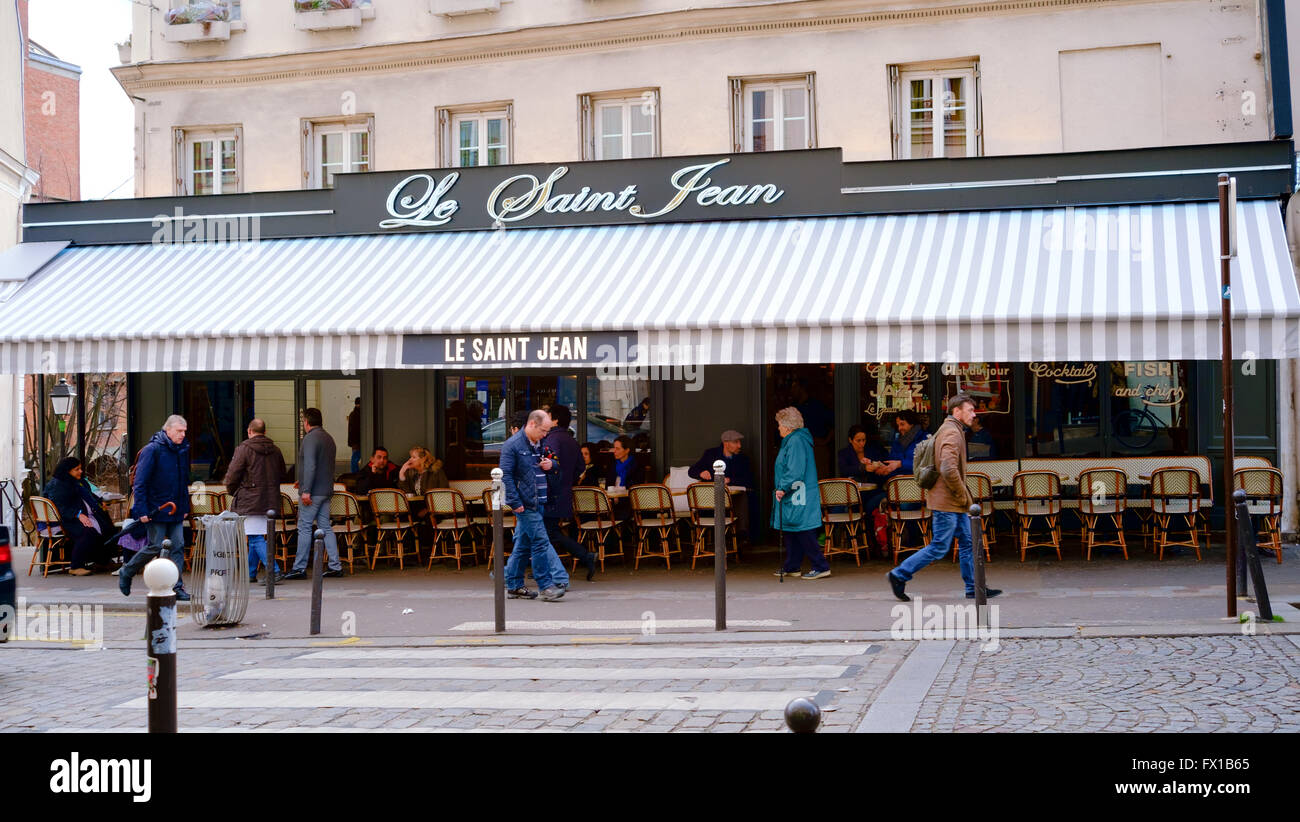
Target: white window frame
{"points": [[743, 110], [184, 140], [902, 77], [589, 106], [313, 132], [449, 120]]}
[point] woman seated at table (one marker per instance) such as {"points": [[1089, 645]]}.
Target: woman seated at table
{"points": [[421, 472], [590, 475], [861, 457], [83, 517]]}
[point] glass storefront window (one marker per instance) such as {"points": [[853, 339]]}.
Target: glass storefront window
{"points": [[890, 387], [475, 425], [215, 426], [531, 393], [618, 407], [336, 399], [1150, 408], [1062, 409], [993, 435]]}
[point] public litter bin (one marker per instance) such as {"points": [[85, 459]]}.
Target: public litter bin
{"points": [[219, 571]]}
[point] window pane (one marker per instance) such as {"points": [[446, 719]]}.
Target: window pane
{"points": [[922, 119], [989, 384], [474, 425], [888, 388], [203, 182], [229, 181], [611, 121], [1062, 409], [467, 142], [761, 120], [794, 127], [360, 150], [611, 148], [643, 145], [1150, 408], [331, 153], [496, 141], [336, 399], [616, 408], [954, 117], [203, 158], [643, 131]]}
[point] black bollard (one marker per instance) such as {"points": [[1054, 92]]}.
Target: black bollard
{"points": [[977, 548], [161, 575], [1246, 539], [271, 538], [317, 580], [498, 552], [802, 716], [719, 546]]}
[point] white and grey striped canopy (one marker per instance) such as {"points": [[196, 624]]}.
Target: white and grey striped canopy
{"points": [[1120, 283]]}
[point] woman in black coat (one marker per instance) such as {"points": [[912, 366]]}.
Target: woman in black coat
{"points": [[83, 515]]}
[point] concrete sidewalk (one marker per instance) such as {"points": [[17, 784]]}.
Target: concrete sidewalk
{"points": [[1043, 598]]}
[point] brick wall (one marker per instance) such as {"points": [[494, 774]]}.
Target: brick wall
{"points": [[53, 133]]}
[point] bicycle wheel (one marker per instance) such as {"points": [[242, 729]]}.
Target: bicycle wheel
{"points": [[1135, 429]]}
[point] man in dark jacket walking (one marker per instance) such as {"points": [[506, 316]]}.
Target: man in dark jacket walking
{"points": [[316, 457], [253, 482], [524, 468], [162, 475], [562, 447]]}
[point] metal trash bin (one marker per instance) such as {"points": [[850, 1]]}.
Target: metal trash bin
{"points": [[219, 571]]}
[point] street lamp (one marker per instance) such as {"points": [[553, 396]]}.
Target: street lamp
{"points": [[61, 397]]}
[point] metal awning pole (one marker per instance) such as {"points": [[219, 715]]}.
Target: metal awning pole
{"points": [[1225, 327]]}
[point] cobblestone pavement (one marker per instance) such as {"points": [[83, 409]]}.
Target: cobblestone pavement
{"points": [[1219, 684], [1120, 684]]}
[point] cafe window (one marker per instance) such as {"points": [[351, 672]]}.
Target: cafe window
{"points": [[475, 425], [617, 407], [476, 136], [1150, 408], [208, 160], [890, 387], [773, 113], [620, 126], [989, 384], [336, 147], [1062, 409]]}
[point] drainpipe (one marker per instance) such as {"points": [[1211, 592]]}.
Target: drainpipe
{"points": [[1277, 67]]}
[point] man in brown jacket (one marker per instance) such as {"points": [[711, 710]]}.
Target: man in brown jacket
{"points": [[950, 502], [253, 482]]}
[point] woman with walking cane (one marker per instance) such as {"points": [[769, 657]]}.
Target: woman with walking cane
{"points": [[798, 510]]}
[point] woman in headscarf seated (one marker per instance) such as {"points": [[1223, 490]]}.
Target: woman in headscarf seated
{"points": [[85, 521]]}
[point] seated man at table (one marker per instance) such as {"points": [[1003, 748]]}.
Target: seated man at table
{"points": [[738, 474], [378, 473]]}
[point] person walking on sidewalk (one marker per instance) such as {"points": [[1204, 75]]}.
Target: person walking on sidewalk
{"points": [[559, 442], [524, 468], [315, 486], [162, 476], [798, 510], [253, 481], [950, 502]]}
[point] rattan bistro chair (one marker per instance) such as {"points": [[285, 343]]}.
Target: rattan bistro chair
{"points": [[652, 511], [52, 548], [1037, 496], [842, 511], [903, 491], [1263, 487], [392, 525], [980, 487], [451, 523], [285, 530], [1175, 500], [1103, 496], [593, 513], [508, 523], [700, 499], [345, 521]]}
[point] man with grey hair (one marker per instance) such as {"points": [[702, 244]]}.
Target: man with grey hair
{"points": [[524, 467], [162, 476], [315, 487]]}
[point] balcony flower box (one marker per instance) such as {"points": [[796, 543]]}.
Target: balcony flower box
{"points": [[197, 32], [326, 15], [452, 8]]}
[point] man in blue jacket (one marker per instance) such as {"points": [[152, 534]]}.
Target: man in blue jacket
{"points": [[162, 475], [524, 468]]}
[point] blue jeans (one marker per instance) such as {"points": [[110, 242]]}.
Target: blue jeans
{"points": [[310, 517], [257, 553], [531, 542], [946, 526], [157, 532]]}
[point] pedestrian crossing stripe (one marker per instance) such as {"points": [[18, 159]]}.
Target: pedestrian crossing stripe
{"points": [[643, 651], [752, 701], [617, 624], [477, 672]]}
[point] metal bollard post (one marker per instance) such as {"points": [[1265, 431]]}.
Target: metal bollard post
{"points": [[1246, 539], [161, 576], [317, 560], [802, 716], [271, 538], [498, 552], [719, 546], [977, 547]]}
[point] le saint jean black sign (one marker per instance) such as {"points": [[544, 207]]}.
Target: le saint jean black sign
{"points": [[617, 192]]}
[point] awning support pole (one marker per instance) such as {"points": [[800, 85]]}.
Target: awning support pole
{"points": [[1225, 328]]}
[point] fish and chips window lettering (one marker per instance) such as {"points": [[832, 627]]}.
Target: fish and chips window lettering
{"points": [[1150, 406]]}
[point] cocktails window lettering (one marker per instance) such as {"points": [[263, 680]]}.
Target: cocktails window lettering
{"points": [[1064, 373], [420, 200]]}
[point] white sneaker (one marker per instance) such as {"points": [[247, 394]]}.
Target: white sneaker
{"points": [[815, 575], [790, 574]]}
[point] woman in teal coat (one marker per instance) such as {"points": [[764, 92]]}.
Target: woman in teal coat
{"points": [[798, 509]]}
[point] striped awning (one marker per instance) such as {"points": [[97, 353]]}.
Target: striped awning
{"points": [[1120, 283]]}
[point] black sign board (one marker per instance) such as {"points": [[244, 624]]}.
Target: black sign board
{"points": [[487, 350]]}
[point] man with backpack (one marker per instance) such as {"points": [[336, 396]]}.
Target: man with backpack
{"points": [[939, 465]]}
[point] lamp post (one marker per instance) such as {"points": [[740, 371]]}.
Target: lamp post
{"points": [[61, 397]]}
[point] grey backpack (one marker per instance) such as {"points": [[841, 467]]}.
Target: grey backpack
{"points": [[927, 476]]}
